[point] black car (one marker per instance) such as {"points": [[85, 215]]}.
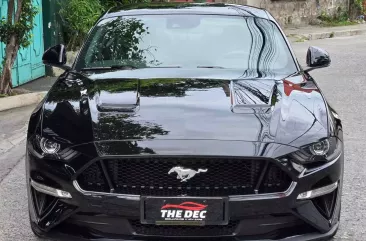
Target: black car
{"points": [[185, 121]]}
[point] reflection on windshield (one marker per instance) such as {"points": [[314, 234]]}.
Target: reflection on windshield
{"points": [[254, 45]]}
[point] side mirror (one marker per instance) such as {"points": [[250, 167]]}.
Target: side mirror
{"points": [[317, 58], [56, 57]]}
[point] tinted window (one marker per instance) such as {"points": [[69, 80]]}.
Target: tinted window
{"points": [[188, 41]]}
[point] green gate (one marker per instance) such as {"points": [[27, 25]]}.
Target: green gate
{"points": [[28, 65]]}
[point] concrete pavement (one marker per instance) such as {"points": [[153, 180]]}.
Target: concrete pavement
{"points": [[344, 86], [39, 87], [14, 223], [41, 84], [17, 101], [13, 131], [13, 126], [318, 32]]}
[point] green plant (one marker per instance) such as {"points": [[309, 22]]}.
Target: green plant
{"points": [[359, 5], [122, 49], [339, 18], [79, 16], [107, 4], [15, 32]]}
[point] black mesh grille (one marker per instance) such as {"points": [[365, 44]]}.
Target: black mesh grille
{"points": [[208, 230], [276, 180], [92, 179], [149, 176]]}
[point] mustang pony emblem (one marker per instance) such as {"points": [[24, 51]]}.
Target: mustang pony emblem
{"points": [[185, 174]]}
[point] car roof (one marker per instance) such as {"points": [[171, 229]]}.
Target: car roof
{"points": [[187, 8]]}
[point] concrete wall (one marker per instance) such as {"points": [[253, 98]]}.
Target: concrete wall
{"points": [[295, 12]]}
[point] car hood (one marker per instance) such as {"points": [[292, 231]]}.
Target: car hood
{"points": [[178, 112]]}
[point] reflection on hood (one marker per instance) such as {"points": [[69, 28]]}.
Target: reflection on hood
{"points": [[252, 110]]}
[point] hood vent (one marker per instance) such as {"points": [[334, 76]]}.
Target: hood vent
{"points": [[252, 96], [119, 102]]}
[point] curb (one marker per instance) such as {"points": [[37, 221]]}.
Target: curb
{"points": [[326, 35], [336, 34], [17, 101]]}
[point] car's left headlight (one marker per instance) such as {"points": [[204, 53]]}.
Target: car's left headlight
{"points": [[323, 150]]}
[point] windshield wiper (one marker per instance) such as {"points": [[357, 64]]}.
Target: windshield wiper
{"points": [[210, 67], [122, 67]]}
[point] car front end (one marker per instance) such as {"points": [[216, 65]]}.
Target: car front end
{"points": [[113, 196], [149, 140], [131, 178]]}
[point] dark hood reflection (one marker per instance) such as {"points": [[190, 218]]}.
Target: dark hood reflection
{"points": [[134, 115]]}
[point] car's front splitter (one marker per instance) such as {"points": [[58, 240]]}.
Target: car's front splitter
{"points": [[305, 237]]}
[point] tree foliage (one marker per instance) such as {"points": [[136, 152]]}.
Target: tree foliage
{"points": [[15, 32], [110, 46], [79, 16], [21, 27]]}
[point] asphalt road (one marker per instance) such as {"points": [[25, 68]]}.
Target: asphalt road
{"points": [[344, 85]]}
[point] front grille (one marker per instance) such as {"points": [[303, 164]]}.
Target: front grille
{"points": [[149, 176], [208, 230]]}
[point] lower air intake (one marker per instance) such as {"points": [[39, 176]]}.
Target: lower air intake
{"points": [[171, 231], [326, 204]]}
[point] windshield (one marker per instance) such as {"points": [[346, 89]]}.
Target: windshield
{"points": [[187, 41]]}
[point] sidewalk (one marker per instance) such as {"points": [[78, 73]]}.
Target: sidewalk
{"points": [[28, 94], [316, 32], [39, 85], [13, 127]]}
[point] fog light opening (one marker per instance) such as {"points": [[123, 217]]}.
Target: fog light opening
{"points": [[50, 190], [326, 204], [318, 192]]}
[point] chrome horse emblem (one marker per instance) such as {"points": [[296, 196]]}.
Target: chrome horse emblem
{"points": [[185, 174]]}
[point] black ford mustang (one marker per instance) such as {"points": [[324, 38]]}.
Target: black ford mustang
{"points": [[185, 121]]}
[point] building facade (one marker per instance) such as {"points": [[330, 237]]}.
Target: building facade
{"points": [[296, 12], [28, 65]]}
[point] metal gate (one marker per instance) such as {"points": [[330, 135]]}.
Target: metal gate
{"points": [[28, 65]]}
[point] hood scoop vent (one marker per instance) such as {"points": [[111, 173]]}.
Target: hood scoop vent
{"points": [[127, 101], [253, 96]]}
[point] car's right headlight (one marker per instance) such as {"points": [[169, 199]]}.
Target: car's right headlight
{"points": [[48, 146], [51, 149], [45, 147]]}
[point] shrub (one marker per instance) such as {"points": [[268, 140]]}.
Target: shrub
{"points": [[79, 16]]}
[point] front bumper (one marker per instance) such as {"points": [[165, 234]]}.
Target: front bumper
{"points": [[103, 216], [304, 237]]}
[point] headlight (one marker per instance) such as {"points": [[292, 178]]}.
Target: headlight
{"points": [[320, 148], [48, 146], [324, 150], [45, 146]]}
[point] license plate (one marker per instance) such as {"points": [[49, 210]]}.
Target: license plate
{"points": [[184, 211]]}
